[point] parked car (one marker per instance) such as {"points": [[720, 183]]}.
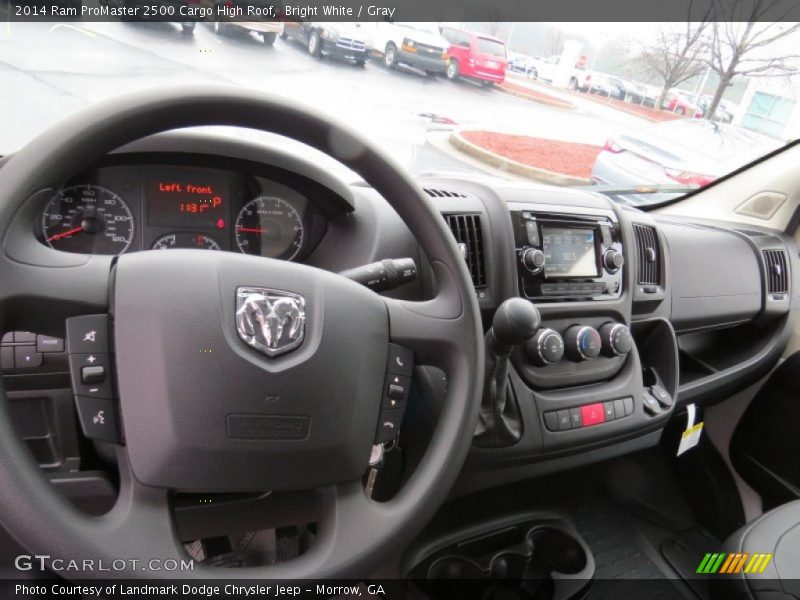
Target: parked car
{"points": [[475, 56], [546, 68], [618, 88], [525, 65], [599, 84], [724, 112], [344, 40], [681, 104], [691, 152], [417, 45], [267, 29]]}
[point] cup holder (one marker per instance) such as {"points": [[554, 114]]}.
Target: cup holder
{"points": [[529, 560]]}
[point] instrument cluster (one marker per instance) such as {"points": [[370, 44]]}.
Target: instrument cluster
{"points": [[127, 208]]}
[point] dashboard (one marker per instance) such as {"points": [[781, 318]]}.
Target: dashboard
{"points": [[114, 209], [640, 313]]}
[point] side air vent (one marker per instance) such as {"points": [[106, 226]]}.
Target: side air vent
{"points": [[776, 271], [467, 230], [648, 254], [437, 193]]}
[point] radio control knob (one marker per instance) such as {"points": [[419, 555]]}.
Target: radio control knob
{"points": [[613, 260], [544, 348], [532, 259], [582, 343], [616, 338]]}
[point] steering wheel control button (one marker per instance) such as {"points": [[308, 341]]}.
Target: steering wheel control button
{"points": [[98, 418], [395, 393], [389, 425], [24, 337], [582, 343], [401, 360], [93, 375], [87, 334], [90, 366], [592, 414], [46, 343], [26, 357], [6, 357]]}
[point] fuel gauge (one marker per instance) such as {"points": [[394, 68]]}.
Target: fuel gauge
{"points": [[185, 239]]}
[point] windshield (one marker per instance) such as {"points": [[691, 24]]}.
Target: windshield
{"points": [[636, 105]]}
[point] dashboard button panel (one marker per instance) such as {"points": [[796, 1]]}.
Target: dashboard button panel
{"points": [[587, 415]]}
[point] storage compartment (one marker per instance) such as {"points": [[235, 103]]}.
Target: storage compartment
{"points": [[540, 560]]}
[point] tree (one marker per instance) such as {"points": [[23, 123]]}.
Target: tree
{"points": [[677, 54], [747, 47]]}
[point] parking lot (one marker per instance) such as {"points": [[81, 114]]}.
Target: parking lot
{"points": [[397, 108]]}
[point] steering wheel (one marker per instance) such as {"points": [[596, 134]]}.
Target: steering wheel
{"points": [[182, 371]]}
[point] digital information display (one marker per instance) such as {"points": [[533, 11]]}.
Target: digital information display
{"points": [[569, 252], [186, 202]]}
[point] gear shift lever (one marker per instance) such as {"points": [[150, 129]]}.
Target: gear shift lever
{"points": [[515, 321]]}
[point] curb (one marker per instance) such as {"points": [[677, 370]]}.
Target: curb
{"points": [[554, 103], [501, 162]]}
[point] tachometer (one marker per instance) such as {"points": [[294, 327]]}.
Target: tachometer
{"points": [[185, 239], [88, 219], [270, 226]]}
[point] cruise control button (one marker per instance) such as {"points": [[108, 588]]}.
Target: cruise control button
{"points": [[79, 362], [400, 361], [98, 418], [87, 334], [46, 343], [388, 425], [26, 357]]}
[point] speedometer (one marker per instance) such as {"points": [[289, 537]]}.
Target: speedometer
{"points": [[88, 219], [270, 226]]}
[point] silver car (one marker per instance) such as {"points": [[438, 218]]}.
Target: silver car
{"points": [[683, 153]]}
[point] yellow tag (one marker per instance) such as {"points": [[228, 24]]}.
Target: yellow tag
{"points": [[690, 438]]}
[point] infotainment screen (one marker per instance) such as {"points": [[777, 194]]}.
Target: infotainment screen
{"points": [[569, 252]]}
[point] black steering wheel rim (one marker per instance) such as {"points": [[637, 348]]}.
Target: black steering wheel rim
{"points": [[445, 331]]}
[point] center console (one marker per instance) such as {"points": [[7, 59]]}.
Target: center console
{"points": [[591, 381]]}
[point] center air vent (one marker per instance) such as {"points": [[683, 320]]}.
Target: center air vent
{"points": [[648, 255], [466, 229], [776, 271]]}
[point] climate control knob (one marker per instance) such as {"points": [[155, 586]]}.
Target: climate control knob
{"points": [[616, 339], [544, 348], [613, 260], [582, 343], [532, 259]]}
